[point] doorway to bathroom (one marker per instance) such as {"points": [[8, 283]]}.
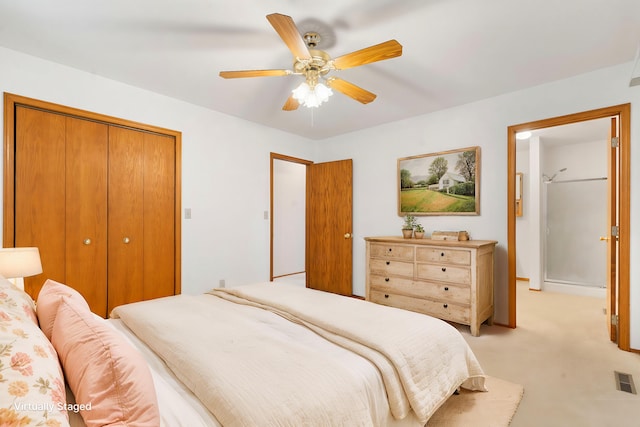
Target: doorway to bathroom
{"points": [[541, 186]]}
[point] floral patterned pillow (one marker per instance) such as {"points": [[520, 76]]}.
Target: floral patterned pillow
{"points": [[12, 298], [32, 388]]}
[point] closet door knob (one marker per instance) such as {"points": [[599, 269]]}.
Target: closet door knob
{"points": [[87, 241], [126, 240]]}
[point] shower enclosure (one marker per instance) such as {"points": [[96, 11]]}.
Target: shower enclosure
{"points": [[576, 217]]}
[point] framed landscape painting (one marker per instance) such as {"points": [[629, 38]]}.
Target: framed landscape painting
{"points": [[445, 183]]}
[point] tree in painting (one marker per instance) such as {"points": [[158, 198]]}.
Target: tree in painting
{"points": [[405, 179], [466, 165], [438, 168]]}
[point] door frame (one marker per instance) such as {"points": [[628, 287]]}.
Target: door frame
{"points": [[282, 157], [623, 111]]}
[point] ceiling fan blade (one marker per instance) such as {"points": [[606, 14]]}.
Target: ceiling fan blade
{"points": [[253, 73], [351, 90], [380, 52], [289, 33], [291, 104]]}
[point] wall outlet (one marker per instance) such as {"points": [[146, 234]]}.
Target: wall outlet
{"points": [[222, 283], [187, 213]]}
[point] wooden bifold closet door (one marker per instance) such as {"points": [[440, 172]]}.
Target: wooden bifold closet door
{"points": [[141, 207], [100, 201]]}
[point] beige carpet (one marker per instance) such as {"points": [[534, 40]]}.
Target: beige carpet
{"points": [[494, 408]]}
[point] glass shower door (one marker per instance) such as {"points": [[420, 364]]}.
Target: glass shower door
{"points": [[576, 217]]}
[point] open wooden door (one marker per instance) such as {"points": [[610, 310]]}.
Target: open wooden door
{"points": [[329, 252], [612, 232]]}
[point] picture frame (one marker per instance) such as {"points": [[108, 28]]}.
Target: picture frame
{"points": [[519, 188], [443, 183]]}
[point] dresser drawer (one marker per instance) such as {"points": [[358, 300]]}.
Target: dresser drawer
{"points": [[391, 267], [444, 273], [417, 289], [380, 250], [443, 255], [453, 312], [387, 282], [444, 293]]}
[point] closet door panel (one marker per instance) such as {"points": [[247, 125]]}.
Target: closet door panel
{"points": [[159, 216], [125, 217], [40, 191], [86, 211]]}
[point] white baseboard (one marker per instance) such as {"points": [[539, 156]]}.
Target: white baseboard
{"points": [[563, 288]]}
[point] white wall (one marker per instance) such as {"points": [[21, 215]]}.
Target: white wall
{"points": [[523, 223], [375, 152], [536, 220], [217, 147], [225, 165]]}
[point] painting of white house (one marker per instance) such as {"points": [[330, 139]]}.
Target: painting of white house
{"points": [[445, 183]]}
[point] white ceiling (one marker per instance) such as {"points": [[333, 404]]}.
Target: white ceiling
{"points": [[455, 51]]}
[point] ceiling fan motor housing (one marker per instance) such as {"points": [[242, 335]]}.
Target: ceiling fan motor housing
{"points": [[314, 67]]}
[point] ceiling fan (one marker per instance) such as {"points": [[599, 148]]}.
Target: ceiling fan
{"points": [[315, 64]]}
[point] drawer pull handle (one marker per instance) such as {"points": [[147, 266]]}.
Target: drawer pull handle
{"points": [[444, 269], [445, 305], [386, 279], [390, 249], [386, 295], [441, 253], [446, 288], [388, 262]]}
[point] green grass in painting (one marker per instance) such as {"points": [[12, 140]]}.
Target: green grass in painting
{"points": [[422, 200]]}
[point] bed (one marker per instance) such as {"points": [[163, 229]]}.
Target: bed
{"points": [[260, 354]]}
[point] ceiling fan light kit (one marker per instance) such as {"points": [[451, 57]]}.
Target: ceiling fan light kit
{"points": [[311, 96], [314, 65]]}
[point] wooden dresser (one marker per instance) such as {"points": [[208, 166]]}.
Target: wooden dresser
{"points": [[451, 280]]}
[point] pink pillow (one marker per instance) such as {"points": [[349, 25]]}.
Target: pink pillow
{"points": [[103, 370], [49, 299]]}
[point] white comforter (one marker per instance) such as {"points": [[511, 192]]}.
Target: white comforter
{"points": [[249, 366]]}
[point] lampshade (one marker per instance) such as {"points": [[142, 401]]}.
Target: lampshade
{"points": [[312, 97], [19, 262]]}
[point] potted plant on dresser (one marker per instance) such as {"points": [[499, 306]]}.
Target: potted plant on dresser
{"points": [[418, 231], [407, 228]]}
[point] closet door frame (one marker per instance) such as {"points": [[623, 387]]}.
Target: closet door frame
{"points": [[11, 101]]}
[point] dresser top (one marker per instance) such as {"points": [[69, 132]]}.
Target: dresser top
{"points": [[430, 242]]}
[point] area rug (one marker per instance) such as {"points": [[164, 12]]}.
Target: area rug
{"points": [[494, 408]]}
